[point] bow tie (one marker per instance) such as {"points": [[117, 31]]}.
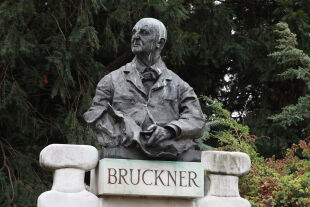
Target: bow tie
{"points": [[149, 74]]}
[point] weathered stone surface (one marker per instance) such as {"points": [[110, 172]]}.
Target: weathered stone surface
{"points": [[54, 198], [69, 163], [148, 178], [68, 190], [94, 180], [56, 156], [223, 186], [68, 180], [213, 201], [229, 163], [181, 180], [221, 181], [118, 201]]}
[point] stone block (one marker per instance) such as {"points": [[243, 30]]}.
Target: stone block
{"points": [[223, 186], [148, 178], [54, 198], [69, 163], [214, 201], [57, 156], [119, 201], [228, 163], [68, 180]]}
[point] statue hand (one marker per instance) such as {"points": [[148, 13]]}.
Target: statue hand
{"points": [[159, 134]]}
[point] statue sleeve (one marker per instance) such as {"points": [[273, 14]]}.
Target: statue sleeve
{"points": [[103, 96], [191, 122], [112, 127]]}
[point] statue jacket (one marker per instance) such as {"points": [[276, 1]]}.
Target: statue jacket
{"points": [[122, 110]]}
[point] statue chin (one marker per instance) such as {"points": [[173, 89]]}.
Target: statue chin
{"points": [[141, 50], [137, 50]]}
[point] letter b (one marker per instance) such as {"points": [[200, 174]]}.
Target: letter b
{"points": [[112, 175]]}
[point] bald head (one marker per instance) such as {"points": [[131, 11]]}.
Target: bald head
{"points": [[158, 26], [149, 36]]}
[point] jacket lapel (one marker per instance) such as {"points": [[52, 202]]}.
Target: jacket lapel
{"points": [[163, 78], [132, 75]]}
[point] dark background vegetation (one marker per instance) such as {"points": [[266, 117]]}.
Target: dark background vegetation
{"points": [[54, 52]]}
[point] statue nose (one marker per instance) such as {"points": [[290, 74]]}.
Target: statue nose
{"points": [[135, 36]]}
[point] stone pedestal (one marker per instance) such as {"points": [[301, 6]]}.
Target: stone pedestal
{"points": [[121, 201], [139, 183], [68, 163], [222, 174]]}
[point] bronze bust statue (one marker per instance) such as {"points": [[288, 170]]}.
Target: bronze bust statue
{"points": [[144, 110]]}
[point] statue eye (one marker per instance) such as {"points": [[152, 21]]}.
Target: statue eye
{"points": [[144, 32], [134, 31]]}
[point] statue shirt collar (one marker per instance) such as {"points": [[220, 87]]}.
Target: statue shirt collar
{"points": [[157, 67]]}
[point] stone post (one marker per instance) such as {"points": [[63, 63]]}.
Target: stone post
{"points": [[223, 170], [68, 163]]}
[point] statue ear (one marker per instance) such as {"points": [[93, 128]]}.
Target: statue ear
{"points": [[160, 44]]}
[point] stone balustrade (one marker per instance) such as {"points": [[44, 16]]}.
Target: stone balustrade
{"points": [[69, 163], [223, 170]]}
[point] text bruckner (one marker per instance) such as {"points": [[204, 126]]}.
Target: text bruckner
{"points": [[135, 176], [153, 178]]}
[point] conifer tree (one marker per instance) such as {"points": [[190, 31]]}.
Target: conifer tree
{"points": [[296, 65], [54, 52]]}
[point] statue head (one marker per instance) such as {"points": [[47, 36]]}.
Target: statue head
{"points": [[149, 36]]}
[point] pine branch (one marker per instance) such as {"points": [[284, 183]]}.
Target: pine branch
{"points": [[59, 28], [298, 66], [6, 165], [4, 73], [120, 61]]}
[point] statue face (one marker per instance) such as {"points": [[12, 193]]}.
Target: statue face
{"points": [[143, 38]]}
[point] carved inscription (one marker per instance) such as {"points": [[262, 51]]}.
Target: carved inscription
{"points": [[150, 178], [158, 177]]}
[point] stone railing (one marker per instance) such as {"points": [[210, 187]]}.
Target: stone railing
{"points": [[223, 170], [69, 163]]}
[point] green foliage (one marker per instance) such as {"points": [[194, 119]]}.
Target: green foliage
{"points": [[297, 66], [227, 134], [53, 53], [271, 182], [292, 188], [46, 57], [257, 81]]}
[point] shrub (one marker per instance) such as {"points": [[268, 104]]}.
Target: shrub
{"points": [[270, 182]]}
